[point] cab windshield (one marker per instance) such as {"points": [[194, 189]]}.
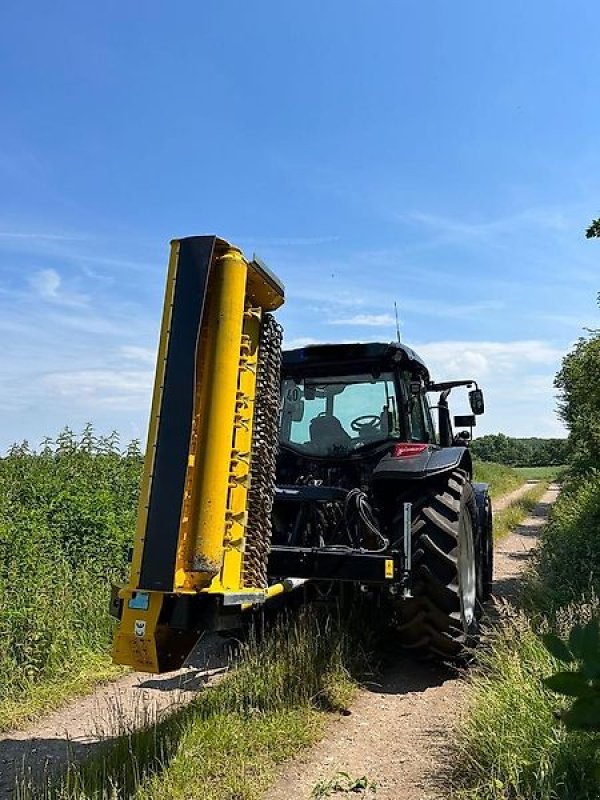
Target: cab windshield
{"points": [[339, 414]]}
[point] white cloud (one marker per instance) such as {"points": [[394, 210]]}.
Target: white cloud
{"points": [[36, 236], [146, 355], [452, 357], [551, 219], [413, 306], [118, 389], [92, 324], [46, 283], [516, 376]]}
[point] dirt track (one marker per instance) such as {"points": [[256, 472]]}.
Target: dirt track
{"points": [[395, 733], [125, 704]]}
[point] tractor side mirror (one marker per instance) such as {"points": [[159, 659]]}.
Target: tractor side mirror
{"points": [[476, 401], [465, 421]]}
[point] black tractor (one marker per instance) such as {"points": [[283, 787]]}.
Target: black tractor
{"points": [[375, 490]]}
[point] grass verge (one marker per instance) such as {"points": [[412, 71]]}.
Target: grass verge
{"points": [[226, 743], [511, 516], [512, 747], [36, 698]]}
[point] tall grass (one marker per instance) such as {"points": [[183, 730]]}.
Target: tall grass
{"points": [[66, 520], [226, 743], [510, 517], [511, 745]]}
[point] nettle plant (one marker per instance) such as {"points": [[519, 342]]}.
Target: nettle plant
{"points": [[581, 681]]}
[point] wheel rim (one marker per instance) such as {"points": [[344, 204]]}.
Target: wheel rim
{"points": [[467, 577]]}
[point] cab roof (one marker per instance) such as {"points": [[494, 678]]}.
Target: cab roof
{"points": [[351, 357]]}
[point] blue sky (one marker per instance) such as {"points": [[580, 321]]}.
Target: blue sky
{"points": [[444, 155]]}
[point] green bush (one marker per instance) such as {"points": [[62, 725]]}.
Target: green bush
{"points": [[67, 516], [579, 406], [580, 650], [567, 562]]}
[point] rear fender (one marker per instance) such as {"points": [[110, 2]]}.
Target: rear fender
{"points": [[429, 463]]}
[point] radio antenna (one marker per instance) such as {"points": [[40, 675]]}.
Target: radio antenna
{"points": [[397, 321]]}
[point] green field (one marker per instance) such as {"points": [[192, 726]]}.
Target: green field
{"points": [[502, 479], [542, 473]]}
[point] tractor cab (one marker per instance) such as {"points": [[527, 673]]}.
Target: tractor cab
{"points": [[344, 400]]}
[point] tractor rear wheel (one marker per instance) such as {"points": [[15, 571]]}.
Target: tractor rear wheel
{"points": [[442, 617]]}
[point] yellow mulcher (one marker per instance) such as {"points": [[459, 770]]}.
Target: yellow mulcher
{"points": [[203, 528]]}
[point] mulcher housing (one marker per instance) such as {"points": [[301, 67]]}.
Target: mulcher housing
{"points": [[320, 468]]}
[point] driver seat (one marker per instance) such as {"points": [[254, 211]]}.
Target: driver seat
{"points": [[326, 431]]}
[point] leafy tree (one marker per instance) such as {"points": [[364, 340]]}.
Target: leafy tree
{"points": [[530, 452], [593, 232], [579, 406]]}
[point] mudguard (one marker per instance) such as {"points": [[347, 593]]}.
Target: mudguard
{"points": [[482, 498], [485, 539], [432, 461]]}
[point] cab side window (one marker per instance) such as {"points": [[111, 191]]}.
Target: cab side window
{"points": [[428, 417], [416, 417]]}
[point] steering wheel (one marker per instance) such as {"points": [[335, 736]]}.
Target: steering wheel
{"points": [[368, 423]]}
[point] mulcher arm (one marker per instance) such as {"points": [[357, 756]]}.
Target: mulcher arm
{"points": [[203, 527]]}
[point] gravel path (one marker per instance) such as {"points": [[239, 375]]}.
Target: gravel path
{"points": [[397, 732]]}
